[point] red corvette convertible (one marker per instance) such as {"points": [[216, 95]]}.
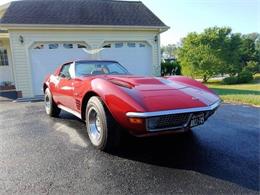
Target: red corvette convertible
{"points": [[109, 99]]}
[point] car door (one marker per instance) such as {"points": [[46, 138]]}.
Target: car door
{"points": [[65, 88]]}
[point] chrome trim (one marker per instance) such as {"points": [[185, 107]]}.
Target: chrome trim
{"points": [[177, 111], [77, 114]]}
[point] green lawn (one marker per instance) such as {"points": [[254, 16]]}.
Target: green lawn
{"points": [[240, 93]]}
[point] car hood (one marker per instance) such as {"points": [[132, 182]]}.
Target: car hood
{"points": [[157, 93]]}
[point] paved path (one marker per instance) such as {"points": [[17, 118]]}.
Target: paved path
{"points": [[39, 154]]}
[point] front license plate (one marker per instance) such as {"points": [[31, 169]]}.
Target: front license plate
{"points": [[197, 120]]}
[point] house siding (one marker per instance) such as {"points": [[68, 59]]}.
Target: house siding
{"points": [[93, 38]]}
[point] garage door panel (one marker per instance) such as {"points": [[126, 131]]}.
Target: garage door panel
{"points": [[46, 57], [44, 61], [137, 60]]}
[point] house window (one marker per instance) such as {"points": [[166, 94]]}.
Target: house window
{"points": [[39, 46], [68, 45], [107, 46], [3, 57], [119, 45], [53, 46], [81, 46], [131, 44], [141, 45]]}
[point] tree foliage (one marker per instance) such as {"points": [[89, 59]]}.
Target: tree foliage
{"points": [[218, 51], [169, 50], [170, 68]]}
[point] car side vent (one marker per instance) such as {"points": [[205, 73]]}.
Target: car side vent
{"points": [[122, 83], [78, 104]]}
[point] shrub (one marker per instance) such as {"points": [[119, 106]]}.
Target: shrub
{"points": [[253, 66], [245, 76], [230, 80], [170, 68]]}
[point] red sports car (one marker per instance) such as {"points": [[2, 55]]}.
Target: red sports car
{"points": [[109, 99]]}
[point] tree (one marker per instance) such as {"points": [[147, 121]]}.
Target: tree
{"points": [[170, 68], [253, 67], [218, 51], [250, 53], [209, 53], [169, 50]]}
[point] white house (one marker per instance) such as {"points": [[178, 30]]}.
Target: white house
{"points": [[37, 36]]}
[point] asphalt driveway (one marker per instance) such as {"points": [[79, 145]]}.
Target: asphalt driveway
{"points": [[39, 154]]}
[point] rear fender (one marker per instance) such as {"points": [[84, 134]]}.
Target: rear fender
{"points": [[190, 82]]}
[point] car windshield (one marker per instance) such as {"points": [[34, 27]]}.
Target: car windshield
{"points": [[99, 68]]}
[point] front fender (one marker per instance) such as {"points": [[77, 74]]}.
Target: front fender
{"points": [[190, 82], [117, 101]]}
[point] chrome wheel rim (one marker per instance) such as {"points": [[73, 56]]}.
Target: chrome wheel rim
{"points": [[47, 102], [95, 127]]}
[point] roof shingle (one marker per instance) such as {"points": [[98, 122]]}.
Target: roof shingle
{"points": [[80, 12]]}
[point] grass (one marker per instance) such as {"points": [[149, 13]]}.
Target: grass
{"points": [[239, 93]]}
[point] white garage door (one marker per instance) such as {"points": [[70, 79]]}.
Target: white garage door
{"points": [[135, 56], [46, 57]]}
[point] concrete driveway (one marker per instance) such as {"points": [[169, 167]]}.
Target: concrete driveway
{"points": [[39, 154]]}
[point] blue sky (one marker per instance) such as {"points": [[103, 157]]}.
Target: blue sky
{"points": [[184, 16]]}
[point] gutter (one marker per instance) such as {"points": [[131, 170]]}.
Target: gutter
{"points": [[83, 27]]}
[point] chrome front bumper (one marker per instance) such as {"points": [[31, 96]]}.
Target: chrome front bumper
{"points": [[171, 118]]}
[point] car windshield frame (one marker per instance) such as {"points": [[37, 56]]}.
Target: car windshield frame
{"points": [[100, 68]]}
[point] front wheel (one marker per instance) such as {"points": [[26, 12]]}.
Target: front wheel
{"points": [[50, 106], [102, 129]]}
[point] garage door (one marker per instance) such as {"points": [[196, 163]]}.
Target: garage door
{"points": [[135, 56], [46, 57]]}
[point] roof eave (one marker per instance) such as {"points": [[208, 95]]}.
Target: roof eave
{"points": [[78, 27]]}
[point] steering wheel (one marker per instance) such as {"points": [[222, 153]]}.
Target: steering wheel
{"points": [[114, 72]]}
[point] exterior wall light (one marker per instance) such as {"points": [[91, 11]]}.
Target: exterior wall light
{"points": [[156, 38], [21, 39]]}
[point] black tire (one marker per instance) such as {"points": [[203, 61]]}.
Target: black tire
{"points": [[50, 106], [103, 131]]}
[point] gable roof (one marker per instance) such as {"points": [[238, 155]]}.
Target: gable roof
{"points": [[80, 12]]}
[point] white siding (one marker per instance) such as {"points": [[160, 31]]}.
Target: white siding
{"points": [[94, 39]]}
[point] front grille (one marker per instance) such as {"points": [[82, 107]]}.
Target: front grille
{"points": [[168, 121]]}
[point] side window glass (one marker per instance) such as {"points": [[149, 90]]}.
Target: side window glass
{"points": [[68, 45], [119, 45], [81, 46], [53, 45], [3, 57], [64, 73], [107, 46], [141, 45], [39, 46], [130, 44]]}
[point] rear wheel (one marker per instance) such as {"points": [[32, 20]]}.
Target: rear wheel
{"points": [[50, 106], [103, 130]]}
